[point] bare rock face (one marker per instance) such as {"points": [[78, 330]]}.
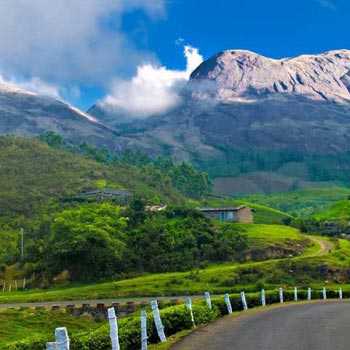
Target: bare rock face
{"points": [[244, 76]]}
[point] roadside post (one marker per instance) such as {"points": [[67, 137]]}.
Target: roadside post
{"points": [[113, 328], [324, 293], [340, 294], [158, 321], [208, 299], [263, 297], [144, 337], [51, 346], [295, 294], [62, 339], [188, 303], [228, 303], [309, 294], [281, 295], [244, 301]]}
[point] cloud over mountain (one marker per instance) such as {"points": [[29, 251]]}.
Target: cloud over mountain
{"points": [[153, 90]]}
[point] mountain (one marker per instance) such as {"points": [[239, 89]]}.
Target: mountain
{"points": [[25, 113], [256, 124], [259, 124]]}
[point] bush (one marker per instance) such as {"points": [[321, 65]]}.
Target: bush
{"points": [[174, 318]]}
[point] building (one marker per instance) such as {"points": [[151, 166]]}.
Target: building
{"points": [[240, 214]]}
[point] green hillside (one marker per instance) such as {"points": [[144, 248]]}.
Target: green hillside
{"points": [[35, 176], [340, 211], [303, 202]]}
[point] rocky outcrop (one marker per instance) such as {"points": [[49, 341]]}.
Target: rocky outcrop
{"points": [[244, 76]]}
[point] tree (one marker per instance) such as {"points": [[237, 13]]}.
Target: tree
{"points": [[88, 241]]}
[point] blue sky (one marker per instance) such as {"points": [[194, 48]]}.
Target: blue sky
{"points": [[85, 50]]}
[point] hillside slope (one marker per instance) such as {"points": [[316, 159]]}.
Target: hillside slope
{"points": [[35, 176]]}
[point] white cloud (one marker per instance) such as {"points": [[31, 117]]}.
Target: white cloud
{"points": [[153, 90], [68, 41]]}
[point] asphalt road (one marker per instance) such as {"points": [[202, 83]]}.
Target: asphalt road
{"points": [[316, 326]]}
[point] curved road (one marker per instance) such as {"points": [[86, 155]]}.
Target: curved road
{"points": [[316, 326]]}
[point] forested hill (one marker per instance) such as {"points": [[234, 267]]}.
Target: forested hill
{"points": [[36, 177]]}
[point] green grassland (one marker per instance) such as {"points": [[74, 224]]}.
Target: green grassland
{"points": [[302, 202], [27, 324]]}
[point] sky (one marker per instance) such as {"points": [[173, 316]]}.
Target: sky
{"points": [[135, 54]]}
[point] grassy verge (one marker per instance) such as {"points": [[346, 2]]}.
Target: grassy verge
{"points": [[25, 324]]}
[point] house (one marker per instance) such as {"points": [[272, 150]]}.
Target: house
{"points": [[241, 214]]}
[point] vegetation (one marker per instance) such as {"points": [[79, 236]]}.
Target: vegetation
{"points": [[263, 242], [26, 325]]}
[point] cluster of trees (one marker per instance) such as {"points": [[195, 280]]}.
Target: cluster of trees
{"points": [[101, 240]]}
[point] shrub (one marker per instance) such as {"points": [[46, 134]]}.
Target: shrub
{"points": [[174, 318]]}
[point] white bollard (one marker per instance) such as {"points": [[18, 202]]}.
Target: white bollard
{"points": [[113, 329], [340, 294], [228, 303], [281, 295], [208, 299], [244, 301], [309, 294], [62, 339], [263, 297], [188, 304], [324, 293], [158, 321], [144, 337], [295, 294], [51, 346]]}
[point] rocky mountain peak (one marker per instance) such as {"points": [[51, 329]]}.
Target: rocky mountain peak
{"points": [[240, 75]]}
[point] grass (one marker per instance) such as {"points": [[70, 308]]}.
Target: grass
{"points": [[170, 340], [25, 324]]}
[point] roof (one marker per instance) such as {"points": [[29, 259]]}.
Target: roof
{"points": [[107, 191], [223, 209]]}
